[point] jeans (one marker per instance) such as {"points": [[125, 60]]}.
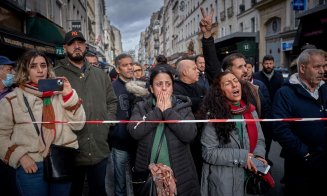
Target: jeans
{"points": [[121, 171], [34, 184], [7, 180], [95, 175]]}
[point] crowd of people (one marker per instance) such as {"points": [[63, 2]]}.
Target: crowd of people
{"points": [[203, 158]]}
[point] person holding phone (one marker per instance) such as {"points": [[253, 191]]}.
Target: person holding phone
{"points": [[228, 149], [21, 146]]}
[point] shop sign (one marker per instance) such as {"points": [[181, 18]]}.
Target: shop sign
{"points": [[76, 26], [299, 4], [21, 44], [287, 45], [60, 50]]}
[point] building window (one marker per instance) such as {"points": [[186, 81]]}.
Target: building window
{"points": [[241, 27], [252, 24]]}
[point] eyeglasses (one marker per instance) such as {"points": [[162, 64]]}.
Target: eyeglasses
{"points": [[161, 84], [95, 64], [137, 70]]}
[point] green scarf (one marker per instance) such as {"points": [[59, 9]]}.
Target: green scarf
{"points": [[164, 152]]}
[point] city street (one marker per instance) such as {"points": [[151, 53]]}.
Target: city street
{"points": [[277, 169]]}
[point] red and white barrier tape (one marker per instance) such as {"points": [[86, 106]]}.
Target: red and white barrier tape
{"points": [[183, 121]]}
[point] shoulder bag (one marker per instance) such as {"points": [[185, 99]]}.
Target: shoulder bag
{"points": [[59, 163], [143, 184]]}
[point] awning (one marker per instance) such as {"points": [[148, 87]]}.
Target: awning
{"points": [[22, 41], [39, 27], [312, 28], [236, 42]]}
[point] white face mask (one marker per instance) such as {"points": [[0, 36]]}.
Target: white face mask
{"points": [[9, 80]]}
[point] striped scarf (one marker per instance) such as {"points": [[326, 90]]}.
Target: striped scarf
{"points": [[246, 111], [48, 130]]}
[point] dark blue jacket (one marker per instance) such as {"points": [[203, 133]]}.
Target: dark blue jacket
{"points": [[119, 135], [299, 138], [273, 84]]}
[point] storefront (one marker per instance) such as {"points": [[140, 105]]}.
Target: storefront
{"points": [[21, 31], [240, 42], [312, 29], [14, 45]]}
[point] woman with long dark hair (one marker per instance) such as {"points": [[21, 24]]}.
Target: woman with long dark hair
{"points": [[228, 148]]}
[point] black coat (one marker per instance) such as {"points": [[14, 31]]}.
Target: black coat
{"points": [[178, 135], [194, 91], [273, 84]]}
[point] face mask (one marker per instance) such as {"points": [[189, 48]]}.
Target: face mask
{"points": [[9, 80]]}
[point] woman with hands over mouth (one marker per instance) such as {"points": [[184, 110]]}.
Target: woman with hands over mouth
{"points": [[161, 104], [228, 148], [21, 146]]}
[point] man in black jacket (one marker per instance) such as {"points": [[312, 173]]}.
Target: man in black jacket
{"points": [[121, 141], [271, 78]]}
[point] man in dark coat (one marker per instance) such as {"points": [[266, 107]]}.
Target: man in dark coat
{"points": [[271, 78], [304, 143]]}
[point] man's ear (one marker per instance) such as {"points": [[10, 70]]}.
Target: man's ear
{"points": [[184, 72], [302, 68], [117, 69]]}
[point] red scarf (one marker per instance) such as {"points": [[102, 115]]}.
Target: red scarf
{"points": [[246, 111], [48, 131]]}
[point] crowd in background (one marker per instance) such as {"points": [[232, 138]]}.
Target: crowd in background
{"points": [[203, 158]]}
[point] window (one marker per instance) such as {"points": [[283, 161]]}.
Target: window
{"points": [[252, 24], [241, 27]]}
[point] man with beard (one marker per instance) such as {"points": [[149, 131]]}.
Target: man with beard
{"points": [[201, 65], [304, 143], [99, 101], [271, 78]]}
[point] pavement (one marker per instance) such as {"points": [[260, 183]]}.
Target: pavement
{"points": [[277, 170]]}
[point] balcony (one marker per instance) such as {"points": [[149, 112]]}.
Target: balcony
{"points": [[230, 12], [222, 15]]}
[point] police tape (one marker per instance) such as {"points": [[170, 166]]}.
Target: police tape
{"points": [[183, 121]]}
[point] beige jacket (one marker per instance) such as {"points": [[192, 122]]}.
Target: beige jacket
{"points": [[16, 127]]}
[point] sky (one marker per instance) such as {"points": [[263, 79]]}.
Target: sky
{"points": [[131, 17]]}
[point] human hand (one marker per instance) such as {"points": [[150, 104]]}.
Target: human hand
{"points": [[163, 101], [249, 164], [28, 164], [167, 100], [206, 22], [67, 87]]}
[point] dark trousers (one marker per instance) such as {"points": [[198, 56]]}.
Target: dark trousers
{"points": [[95, 175], [7, 180], [305, 179]]}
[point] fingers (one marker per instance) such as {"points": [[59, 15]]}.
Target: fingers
{"points": [[203, 12], [31, 169], [28, 164]]}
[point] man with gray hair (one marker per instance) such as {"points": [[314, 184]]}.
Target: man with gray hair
{"points": [[188, 75], [304, 143]]}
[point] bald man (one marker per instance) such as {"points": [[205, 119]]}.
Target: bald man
{"points": [[186, 84]]}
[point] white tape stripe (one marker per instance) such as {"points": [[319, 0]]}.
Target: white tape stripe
{"points": [[186, 121]]}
